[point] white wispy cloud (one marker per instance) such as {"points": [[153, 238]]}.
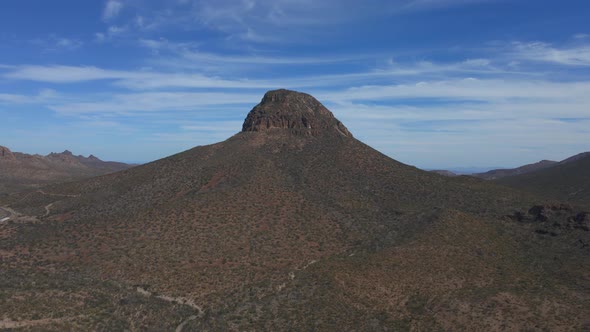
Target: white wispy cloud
{"points": [[143, 80], [578, 55], [42, 97], [55, 43], [278, 21], [223, 13], [186, 55], [470, 89], [460, 99], [128, 79], [112, 9], [154, 102], [68, 43], [112, 32], [62, 74], [433, 4], [189, 76]]}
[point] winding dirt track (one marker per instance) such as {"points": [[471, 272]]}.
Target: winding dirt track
{"points": [[9, 324], [61, 195], [10, 212], [181, 326], [176, 300], [47, 207]]}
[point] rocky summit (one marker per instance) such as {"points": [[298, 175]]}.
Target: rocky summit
{"points": [[296, 111]]}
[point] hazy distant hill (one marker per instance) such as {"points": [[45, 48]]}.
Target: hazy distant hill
{"points": [[501, 173], [291, 225], [19, 171], [444, 172], [568, 180], [577, 157]]}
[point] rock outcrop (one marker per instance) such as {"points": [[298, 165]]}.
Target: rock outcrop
{"points": [[6, 154], [295, 111], [554, 219]]}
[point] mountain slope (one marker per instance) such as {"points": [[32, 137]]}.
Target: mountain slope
{"points": [[291, 224], [567, 181], [20, 171]]}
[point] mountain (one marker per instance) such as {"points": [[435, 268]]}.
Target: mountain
{"points": [[20, 171], [501, 173], [469, 170], [291, 224], [568, 180], [577, 157]]}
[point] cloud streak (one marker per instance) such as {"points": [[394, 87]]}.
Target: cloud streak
{"points": [[112, 9], [150, 80], [155, 102], [128, 79]]}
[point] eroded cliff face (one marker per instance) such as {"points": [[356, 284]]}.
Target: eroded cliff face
{"points": [[299, 112]]}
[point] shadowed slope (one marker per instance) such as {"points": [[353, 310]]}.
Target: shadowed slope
{"points": [[567, 181]]}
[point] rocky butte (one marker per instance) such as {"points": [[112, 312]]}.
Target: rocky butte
{"points": [[291, 225]]}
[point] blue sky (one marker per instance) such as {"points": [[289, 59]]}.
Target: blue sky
{"points": [[436, 84]]}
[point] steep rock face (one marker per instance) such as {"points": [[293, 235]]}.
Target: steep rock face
{"points": [[299, 112]]}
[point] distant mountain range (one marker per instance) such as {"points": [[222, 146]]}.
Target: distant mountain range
{"points": [[493, 173], [567, 180], [19, 171], [444, 172]]}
